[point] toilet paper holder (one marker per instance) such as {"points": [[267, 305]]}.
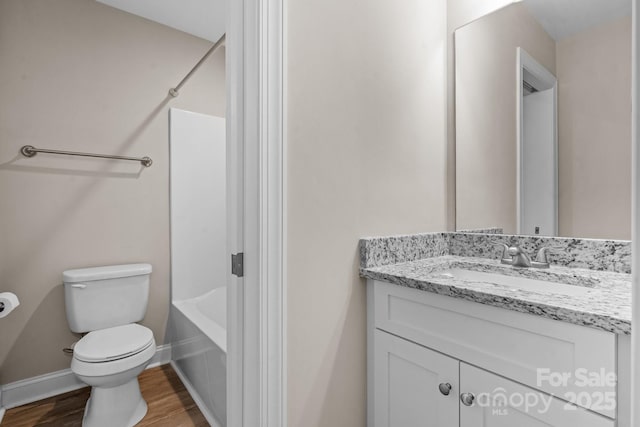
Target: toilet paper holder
{"points": [[8, 302]]}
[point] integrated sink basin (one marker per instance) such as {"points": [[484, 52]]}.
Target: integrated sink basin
{"points": [[523, 283]]}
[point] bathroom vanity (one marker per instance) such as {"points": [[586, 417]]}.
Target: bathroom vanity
{"points": [[542, 122], [455, 338]]}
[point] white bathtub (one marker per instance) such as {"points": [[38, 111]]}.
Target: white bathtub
{"points": [[199, 348], [209, 313]]}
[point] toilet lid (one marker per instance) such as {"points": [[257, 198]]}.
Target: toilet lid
{"points": [[113, 343]]}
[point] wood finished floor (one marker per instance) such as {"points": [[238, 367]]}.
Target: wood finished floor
{"points": [[170, 405]]}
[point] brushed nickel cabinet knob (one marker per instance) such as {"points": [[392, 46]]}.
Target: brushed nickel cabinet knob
{"points": [[445, 388], [467, 399]]}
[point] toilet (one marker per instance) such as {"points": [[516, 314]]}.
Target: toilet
{"points": [[105, 303]]}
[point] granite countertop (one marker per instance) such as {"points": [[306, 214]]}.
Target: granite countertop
{"points": [[604, 304]]}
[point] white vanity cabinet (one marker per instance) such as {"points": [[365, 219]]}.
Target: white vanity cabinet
{"points": [[415, 386], [437, 361], [529, 408]]}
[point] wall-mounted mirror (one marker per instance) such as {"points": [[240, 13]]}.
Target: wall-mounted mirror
{"points": [[543, 119]]}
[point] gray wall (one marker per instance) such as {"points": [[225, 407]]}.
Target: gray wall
{"points": [[80, 75], [594, 156], [486, 113], [366, 155], [594, 109]]}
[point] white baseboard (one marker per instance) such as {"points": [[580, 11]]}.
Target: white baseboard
{"points": [[195, 396], [162, 356], [33, 389], [43, 386]]}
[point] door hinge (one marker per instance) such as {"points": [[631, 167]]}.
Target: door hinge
{"points": [[237, 264]]}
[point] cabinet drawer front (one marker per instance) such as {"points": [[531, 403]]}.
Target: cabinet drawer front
{"points": [[548, 355], [407, 379], [503, 403]]}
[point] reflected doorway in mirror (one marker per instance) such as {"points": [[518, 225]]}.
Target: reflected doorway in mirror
{"points": [[537, 147]]}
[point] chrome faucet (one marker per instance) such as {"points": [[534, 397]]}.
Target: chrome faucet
{"points": [[517, 257]]}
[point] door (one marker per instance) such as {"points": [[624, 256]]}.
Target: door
{"points": [[537, 163], [414, 386], [539, 188], [489, 400], [256, 386]]}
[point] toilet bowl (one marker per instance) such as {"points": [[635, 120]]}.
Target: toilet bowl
{"points": [[110, 360], [105, 303]]}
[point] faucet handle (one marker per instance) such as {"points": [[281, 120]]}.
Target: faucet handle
{"points": [[504, 258], [543, 255], [504, 246], [515, 250]]}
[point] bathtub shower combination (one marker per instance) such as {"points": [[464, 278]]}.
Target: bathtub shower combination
{"points": [[199, 351], [198, 259]]}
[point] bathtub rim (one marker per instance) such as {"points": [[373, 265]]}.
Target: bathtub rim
{"points": [[209, 327]]}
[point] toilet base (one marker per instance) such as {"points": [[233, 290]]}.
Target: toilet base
{"points": [[121, 406]]}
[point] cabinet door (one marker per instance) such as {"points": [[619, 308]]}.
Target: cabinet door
{"points": [[498, 402], [514, 345], [407, 385]]}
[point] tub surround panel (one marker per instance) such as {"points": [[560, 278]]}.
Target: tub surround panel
{"points": [[602, 266], [198, 236]]}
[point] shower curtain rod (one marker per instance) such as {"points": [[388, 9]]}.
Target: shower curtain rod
{"points": [[174, 91]]}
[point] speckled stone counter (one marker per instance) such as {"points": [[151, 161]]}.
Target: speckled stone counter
{"points": [[489, 230], [600, 267]]}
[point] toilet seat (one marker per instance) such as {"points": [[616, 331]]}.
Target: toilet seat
{"points": [[106, 345], [113, 351]]}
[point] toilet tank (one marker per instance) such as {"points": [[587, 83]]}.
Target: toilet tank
{"points": [[104, 297]]}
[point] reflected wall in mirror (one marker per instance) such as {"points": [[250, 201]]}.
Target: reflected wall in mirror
{"points": [[543, 119]]}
